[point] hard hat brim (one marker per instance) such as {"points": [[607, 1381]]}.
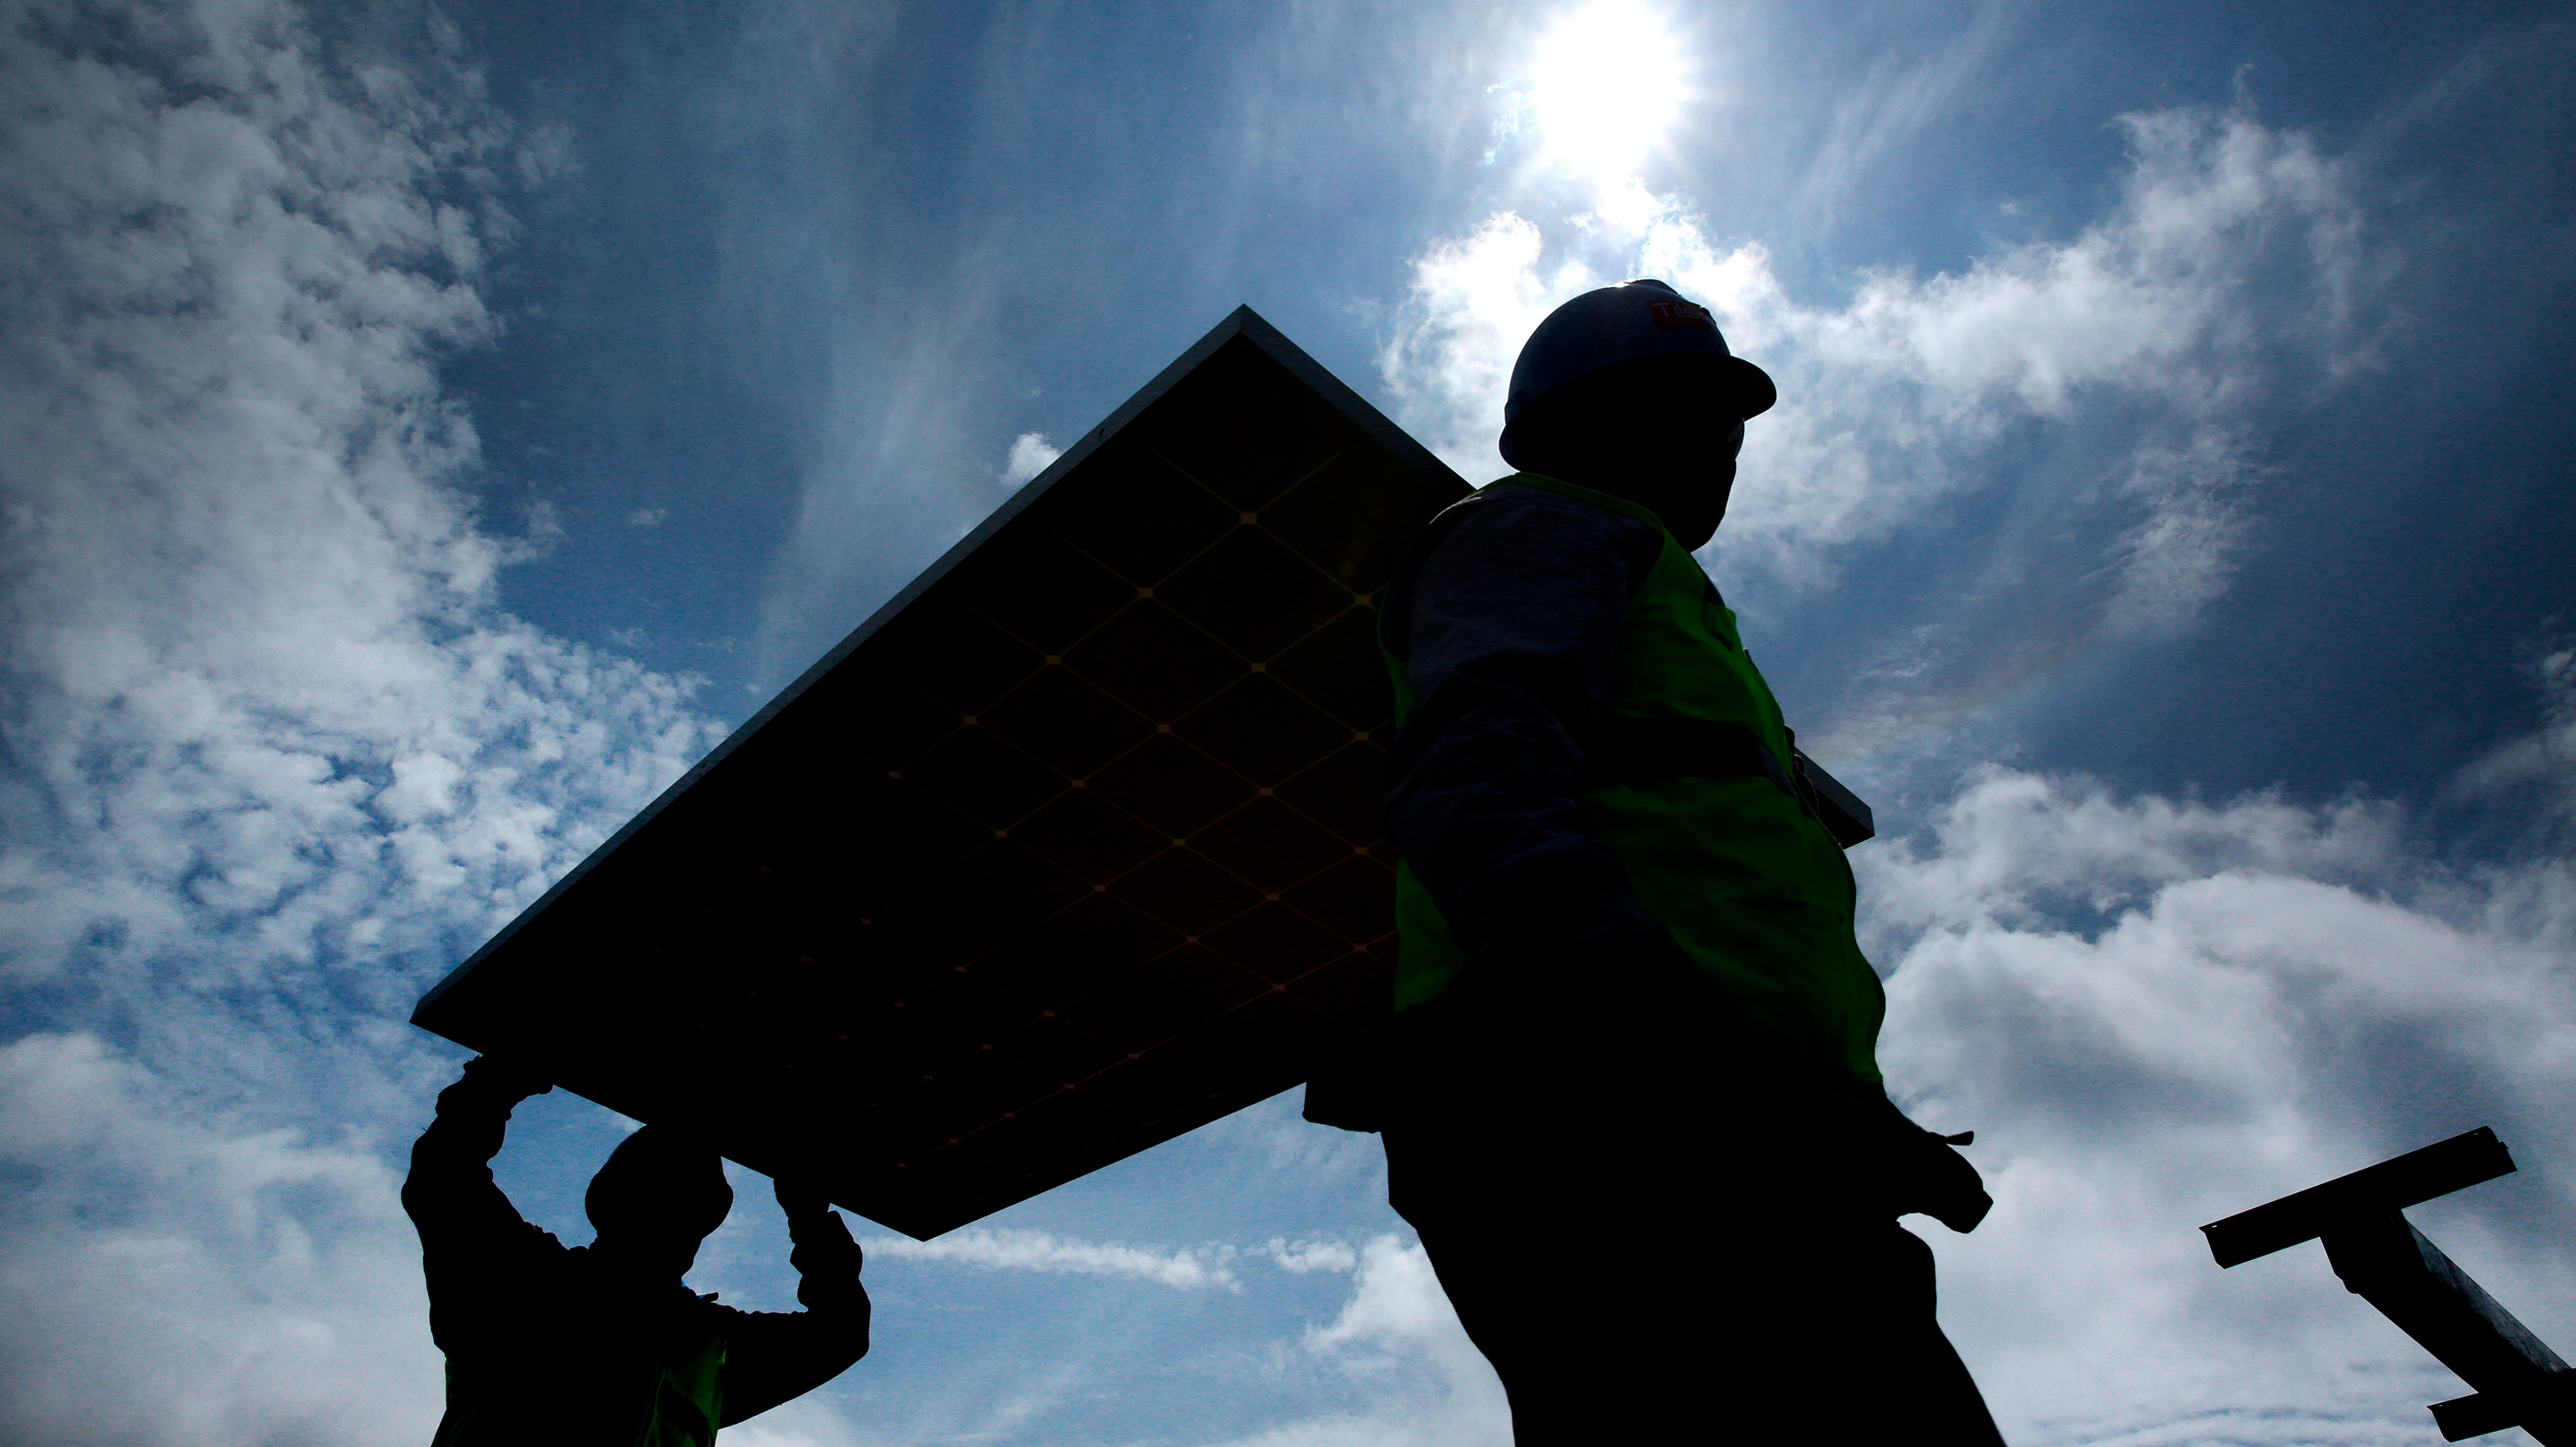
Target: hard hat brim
{"points": [[1743, 391]]}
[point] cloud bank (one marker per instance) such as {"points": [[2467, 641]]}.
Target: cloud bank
{"points": [[2233, 266], [177, 1280], [270, 753], [1031, 454], [1025, 1250], [260, 705], [2157, 1013], [1419, 1381]]}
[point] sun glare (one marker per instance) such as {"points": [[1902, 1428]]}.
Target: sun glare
{"points": [[1607, 83]]}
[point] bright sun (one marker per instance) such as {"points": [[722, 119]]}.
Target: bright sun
{"points": [[1607, 83]]}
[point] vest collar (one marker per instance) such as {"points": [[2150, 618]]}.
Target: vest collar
{"points": [[1611, 502]]}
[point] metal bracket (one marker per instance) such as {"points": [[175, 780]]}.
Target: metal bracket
{"points": [[2387, 1262]]}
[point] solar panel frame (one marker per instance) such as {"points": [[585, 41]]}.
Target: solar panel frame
{"points": [[1223, 953]]}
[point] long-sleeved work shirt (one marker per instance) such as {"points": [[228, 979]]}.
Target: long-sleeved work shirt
{"points": [[1509, 623]]}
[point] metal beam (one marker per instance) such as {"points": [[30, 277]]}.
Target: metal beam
{"points": [[2480, 1413], [2436, 1170], [2388, 1263]]}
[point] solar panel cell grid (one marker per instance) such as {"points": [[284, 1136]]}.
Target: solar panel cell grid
{"points": [[1074, 849]]}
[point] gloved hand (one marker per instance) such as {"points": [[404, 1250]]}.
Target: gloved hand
{"points": [[1925, 1173], [1877, 1154], [801, 1196], [1938, 1181], [492, 1083], [826, 1259]]}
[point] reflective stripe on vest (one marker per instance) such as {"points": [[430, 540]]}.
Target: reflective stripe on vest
{"points": [[1690, 782]]}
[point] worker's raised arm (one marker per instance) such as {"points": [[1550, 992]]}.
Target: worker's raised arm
{"points": [[1507, 623], [773, 1357], [451, 1162], [471, 1237]]}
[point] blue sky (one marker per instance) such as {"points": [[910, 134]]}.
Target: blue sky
{"points": [[424, 431]]}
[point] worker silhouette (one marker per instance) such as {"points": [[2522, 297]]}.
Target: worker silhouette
{"points": [[603, 1344], [1629, 1094]]}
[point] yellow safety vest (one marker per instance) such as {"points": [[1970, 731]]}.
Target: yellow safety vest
{"points": [[1735, 863]]}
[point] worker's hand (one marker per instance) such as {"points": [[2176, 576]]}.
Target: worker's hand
{"points": [[801, 1196], [827, 1259], [1929, 1175], [1949, 1190], [1874, 1151], [493, 1081]]}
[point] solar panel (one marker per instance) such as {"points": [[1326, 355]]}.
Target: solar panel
{"points": [[1072, 848]]}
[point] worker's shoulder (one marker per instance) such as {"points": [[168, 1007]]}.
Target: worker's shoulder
{"points": [[1506, 506], [1531, 531], [1511, 494]]}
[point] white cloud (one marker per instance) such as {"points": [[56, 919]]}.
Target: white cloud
{"points": [[1014, 1248], [2165, 569], [900, 471], [2232, 263], [261, 704], [2534, 776], [177, 1278], [647, 517], [1423, 1384], [1908, 92], [274, 756], [800, 1423], [1305, 1256], [1396, 1303], [2155, 1014], [2020, 848], [1475, 299], [1031, 454]]}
